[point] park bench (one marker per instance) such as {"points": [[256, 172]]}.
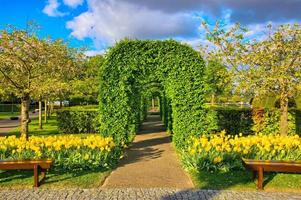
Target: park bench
{"points": [[258, 167], [37, 166]]}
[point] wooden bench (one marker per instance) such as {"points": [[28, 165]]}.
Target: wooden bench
{"points": [[258, 167], [37, 166]]}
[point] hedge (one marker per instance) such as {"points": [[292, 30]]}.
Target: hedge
{"points": [[246, 121], [131, 67], [266, 121], [79, 119], [232, 120]]}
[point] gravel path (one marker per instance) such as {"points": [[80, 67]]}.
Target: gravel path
{"points": [[142, 194], [150, 162]]}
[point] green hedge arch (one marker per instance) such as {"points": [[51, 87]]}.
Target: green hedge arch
{"points": [[131, 66]]}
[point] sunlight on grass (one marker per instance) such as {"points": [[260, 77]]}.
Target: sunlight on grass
{"points": [[63, 179], [242, 180]]}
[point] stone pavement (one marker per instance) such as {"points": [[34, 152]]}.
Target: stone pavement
{"points": [[141, 194], [150, 162]]}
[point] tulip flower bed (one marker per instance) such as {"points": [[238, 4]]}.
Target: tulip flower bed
{"points": [[221, 152], [69, 152]]}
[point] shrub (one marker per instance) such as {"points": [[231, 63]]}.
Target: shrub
{"points": [[222, 152], [248, 121], [266, 121], [68, 152], [79, 119], [233, 120], [9, 107]]}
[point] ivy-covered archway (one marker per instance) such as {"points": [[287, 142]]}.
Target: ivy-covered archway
{"points": [[132, 69]]}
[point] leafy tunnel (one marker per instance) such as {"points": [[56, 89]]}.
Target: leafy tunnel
{"points": [[136, 69]]}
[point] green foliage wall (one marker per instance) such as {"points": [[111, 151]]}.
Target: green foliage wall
{"points": [[266, 121], [232, 120], [129, 68], [9, 107], [78, 119], [246, 121]]}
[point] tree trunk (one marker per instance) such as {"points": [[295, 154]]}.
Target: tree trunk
{"points": [[40, 115], [24, 116], [153, 104], [45, 112], [283, 115], [51, 109], [212, 99]]}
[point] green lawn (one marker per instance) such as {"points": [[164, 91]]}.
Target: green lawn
{"points": [[242, 180], [7, 115], [50, 128], [82, 179]]}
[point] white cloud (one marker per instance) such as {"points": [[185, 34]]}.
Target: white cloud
{"points": [[51, 9], [73, 3], [108, 21], [94, 52]]}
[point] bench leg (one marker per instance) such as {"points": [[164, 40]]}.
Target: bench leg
{"points": [[260, 178], [36, 175]]}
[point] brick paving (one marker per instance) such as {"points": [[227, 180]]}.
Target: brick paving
{"points": [[141, 194]]}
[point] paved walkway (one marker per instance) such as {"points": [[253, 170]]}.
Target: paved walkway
{"points": [[6, 125], [142, 194], [150, 162]]}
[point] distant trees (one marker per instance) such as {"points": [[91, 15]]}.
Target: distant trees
{"points": [[32, 67], [271, 65], [217, 79], [86, 86]]}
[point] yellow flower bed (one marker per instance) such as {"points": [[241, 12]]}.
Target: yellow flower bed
{"points": [[224, 152], [68, 151]]}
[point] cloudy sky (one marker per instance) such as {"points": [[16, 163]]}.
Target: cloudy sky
{"points": [[98, 24]]}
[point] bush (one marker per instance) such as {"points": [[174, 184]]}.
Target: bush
{"points": [[9, 107], [248, 121], [232, 120], [68, 152], [79, 119], [266, 121], [224, 153]]}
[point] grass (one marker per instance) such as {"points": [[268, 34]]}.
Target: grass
{"points": [[50, 128], [82, 179], [242, 180], [7, 115]]}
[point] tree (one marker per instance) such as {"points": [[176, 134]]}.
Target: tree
{"points": [[217, 79], [271, 65], [86, 85], [57, 84], [27, 63]]}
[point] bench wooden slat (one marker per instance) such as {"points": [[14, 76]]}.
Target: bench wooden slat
{"points": [[260, 166], [25, 164], [272, 162]]}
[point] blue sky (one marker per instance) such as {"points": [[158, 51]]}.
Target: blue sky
{"points": [[97, 24]]}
